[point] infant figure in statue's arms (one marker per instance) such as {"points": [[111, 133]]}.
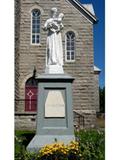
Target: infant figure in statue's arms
{"points": [[56, 24]]}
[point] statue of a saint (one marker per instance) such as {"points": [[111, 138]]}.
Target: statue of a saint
{"points": [[54, 41]]}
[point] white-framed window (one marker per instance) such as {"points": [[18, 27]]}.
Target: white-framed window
{"points": [[70, 46], [35, 26]]}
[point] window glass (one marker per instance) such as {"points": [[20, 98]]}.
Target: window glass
{"points": [[35, 26], [70, 46]]}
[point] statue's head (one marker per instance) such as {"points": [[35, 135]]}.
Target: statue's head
{"points": [[61, 15], [54, 12]]}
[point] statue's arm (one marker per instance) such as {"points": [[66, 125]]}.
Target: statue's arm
{"points": [[61, 26], [47, 25]]}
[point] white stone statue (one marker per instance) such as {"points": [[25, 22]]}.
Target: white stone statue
{"points": [[54, 57]]}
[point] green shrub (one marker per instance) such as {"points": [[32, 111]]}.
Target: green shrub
{"points": [[22, 139], [19, 148], [92, 145], [30, 156]]}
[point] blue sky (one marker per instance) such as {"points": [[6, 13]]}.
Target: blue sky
{"points": [[99, 37]]}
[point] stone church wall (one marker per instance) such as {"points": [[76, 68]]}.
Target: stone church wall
{"points": [[96, 75]]}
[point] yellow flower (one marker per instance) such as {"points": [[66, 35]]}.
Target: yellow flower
{"points": [[60, 147]]}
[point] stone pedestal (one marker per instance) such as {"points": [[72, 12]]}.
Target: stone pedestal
{"points": [[54, 111], [54, 69]]}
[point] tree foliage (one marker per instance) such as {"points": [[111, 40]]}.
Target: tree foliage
{"points": [[102, 99]]}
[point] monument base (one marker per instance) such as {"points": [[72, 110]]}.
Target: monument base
{"points": [[54, 69], [41, 140], [54, 111]]}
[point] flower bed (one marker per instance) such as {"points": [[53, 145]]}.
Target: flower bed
{"points": [[89, 146]]}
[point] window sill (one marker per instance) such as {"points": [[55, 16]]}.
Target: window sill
{"points": [[70, 61], [25, 113], [36, 44]]}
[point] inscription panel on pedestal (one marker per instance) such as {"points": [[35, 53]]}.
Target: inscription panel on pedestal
{"points": [[55, 104]]}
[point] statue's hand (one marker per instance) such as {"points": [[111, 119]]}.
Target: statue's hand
{"points": [[61, 26], [44, 28], [57, 31], [49, 25]]}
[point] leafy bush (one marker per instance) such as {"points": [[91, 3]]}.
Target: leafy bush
{"points": [[92, 145], [19, 148], [22, 139], [30, 156]]}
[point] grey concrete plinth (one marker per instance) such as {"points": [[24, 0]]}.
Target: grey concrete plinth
{"points": [[41, 140], [54, 111]]}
